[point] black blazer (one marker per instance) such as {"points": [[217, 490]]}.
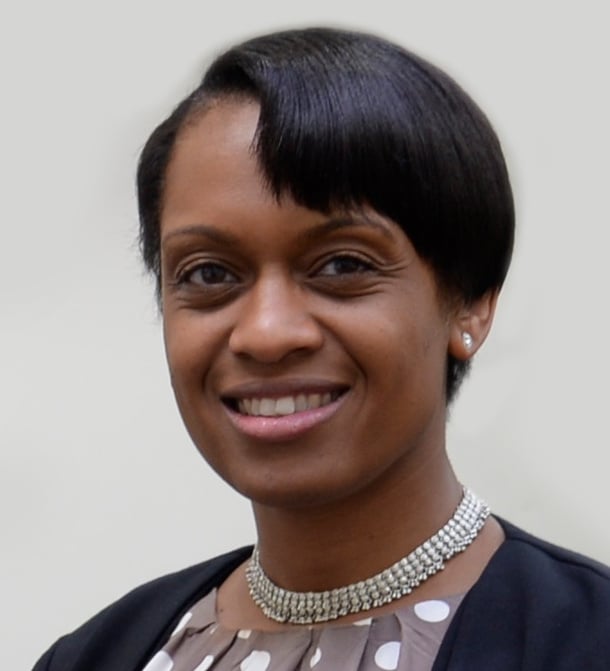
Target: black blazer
{"points": [[535, 607]]}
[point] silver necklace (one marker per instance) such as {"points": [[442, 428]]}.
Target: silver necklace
{"points": [[393, 583]]}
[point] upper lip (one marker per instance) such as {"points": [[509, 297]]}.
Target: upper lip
{"points": [[280, 388]]}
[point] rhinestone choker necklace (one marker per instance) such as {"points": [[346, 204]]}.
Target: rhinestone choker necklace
{"points": [[397, 581]]}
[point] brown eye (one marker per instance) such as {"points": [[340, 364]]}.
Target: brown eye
{"points": [[344, 265], [208, 274]]}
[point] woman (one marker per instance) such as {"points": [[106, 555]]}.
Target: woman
{"points": [[329, 219]]}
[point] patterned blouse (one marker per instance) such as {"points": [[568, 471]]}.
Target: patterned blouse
{"points": [[405, 640]]}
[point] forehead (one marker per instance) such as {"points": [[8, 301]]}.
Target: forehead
{"points": [[214, 157], [214, 182]]}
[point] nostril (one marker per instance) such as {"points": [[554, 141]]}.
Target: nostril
{"points": [[274, 321]]}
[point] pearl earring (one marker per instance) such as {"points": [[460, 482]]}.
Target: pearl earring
{"points": [[467, 340]]}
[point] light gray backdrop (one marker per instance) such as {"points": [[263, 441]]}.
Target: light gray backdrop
{"points": [[100, 488]]}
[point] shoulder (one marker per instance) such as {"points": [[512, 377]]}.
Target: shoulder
{"points": [[140, 621], [536, 606], [549, 564], [551, 586], [540, 606]]}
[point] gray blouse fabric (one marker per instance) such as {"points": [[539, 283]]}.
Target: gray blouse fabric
{"points": [[405, 640]]}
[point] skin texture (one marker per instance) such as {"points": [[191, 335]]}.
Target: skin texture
{"points": [[267, 299]]}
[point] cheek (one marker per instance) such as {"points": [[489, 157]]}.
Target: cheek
{"points": [[175, 351], [188, 356], [186, 350], [404, 358]]}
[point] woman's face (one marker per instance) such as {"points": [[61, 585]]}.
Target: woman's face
{"points": [[307, 351]]}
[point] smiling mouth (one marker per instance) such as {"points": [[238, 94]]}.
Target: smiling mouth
{"points": [[284, 405]]}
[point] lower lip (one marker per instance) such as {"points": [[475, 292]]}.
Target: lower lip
{"points": [[285, 427]]}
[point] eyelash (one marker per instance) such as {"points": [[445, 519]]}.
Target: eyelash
{"points": [[359, 265], [186, 276], [339, 275], [356, 266]]}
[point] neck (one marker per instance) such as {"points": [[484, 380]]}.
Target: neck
{"points": [[314, 549]]}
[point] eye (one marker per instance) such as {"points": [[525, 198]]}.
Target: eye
{"points": [[206, 274], [344, 264]]}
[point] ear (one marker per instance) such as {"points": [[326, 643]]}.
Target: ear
{"points": [[471, 324]]}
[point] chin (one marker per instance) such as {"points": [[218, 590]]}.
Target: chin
{"points": [[300, 493]]}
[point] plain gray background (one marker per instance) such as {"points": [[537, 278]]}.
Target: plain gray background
{"points": [[100, 488]]}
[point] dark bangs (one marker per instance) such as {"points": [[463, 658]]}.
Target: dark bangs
{"points": [[348, 119]]}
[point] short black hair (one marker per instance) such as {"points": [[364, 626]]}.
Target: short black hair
{"points": [[349, 119]]}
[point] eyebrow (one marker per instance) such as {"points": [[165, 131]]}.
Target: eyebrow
{"points": [[203, 231], [335, 224], [324, 227]]}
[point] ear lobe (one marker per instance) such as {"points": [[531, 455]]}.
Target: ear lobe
{"points": [[471, 324]]}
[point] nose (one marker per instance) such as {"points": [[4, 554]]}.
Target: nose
{"points": [[274, 321]]}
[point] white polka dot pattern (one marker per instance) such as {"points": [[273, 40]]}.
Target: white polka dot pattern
{"points": [[160, 662], [364, 623], [257, 660], [371, 643], [183, 622], [208, 660], [315, 658], [387, 655], [432, 611]]}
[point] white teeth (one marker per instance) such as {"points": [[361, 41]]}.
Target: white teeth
{"points": [[267, 408], [286, 405], [314, 400]]}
